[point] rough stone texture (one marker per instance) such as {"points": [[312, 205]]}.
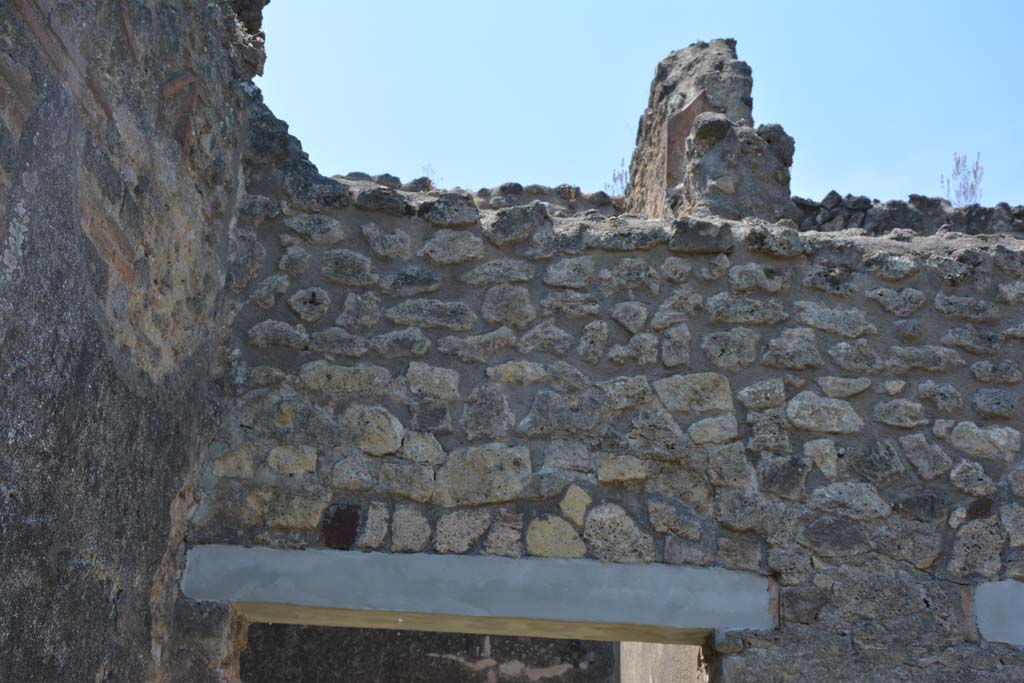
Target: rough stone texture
{"points": [[232, 348]]}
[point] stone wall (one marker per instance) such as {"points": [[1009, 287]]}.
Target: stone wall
{"points": [[410, 373], [120, 131], [207, 341]]}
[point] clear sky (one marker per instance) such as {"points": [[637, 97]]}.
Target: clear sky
{"points": [[879, 95]]}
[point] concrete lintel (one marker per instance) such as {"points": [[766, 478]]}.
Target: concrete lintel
{"points": [[999, 608], [555, 598]]}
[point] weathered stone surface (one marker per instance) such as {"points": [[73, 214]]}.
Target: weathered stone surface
{"points": [[750, 277], [270, 333], [997, 372], [675, 346], [728, 466], [970, 477], [996, 403], [718, 429], [769, 431], [843, 387], [632, 275], [769, 393], [410, 281], [977, 549], [724, 308], [731, 349], [499, 271], [855, 500], [458, 531], [546, 337], [795, 349], [372, 429], [293, 261], [676, 270], [292, 459], [574, 273], [492, 473], [506, 535], [336, 341], [401, 343], [968, 308], [813, 413], [995, 443], [570, 305], [592, 342], [266, 292], [518, 372], [415, 482], [620, 469], [360, 311], [699, 392], [929, 459], [433, 382], [899, 302], [627, 392], [239, 463], [905, 359], [391, 246], [423, 448], [612, 535], [1012, 517], [346, 267], [344, 380], [856, 356], [679, 306], [449, 209], [632, 315], [431, 415], [667, 518], [783, 476], [553, 537], [375, 528], [480, 348], [451, 315], [900, 413], [515, 224], [410, 530], [879, 463], [698, 236], [451, 247], [825, 456], [574, 504], [571, 414], [509, 305], [775, 240], [316, 229], [971, 339], [487, 414], [945, 397], [352, 473], [641, 349], [847, 322]]}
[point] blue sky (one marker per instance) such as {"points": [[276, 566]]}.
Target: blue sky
{"points": [[879, 95]]}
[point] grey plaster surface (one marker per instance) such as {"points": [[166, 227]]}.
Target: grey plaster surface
{"points": [[660, 596], [999, 607]]}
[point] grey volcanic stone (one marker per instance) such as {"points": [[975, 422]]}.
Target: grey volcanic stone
{"points": [[509, 305], [612, 535], [795, 349], [731, 349], [401, 343], [480, 348], [813, 413], [391, 246], [452, 315], [499, 271], [515, 224], [346, 267], [450, 247], [488, 415], [410, 281]]}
